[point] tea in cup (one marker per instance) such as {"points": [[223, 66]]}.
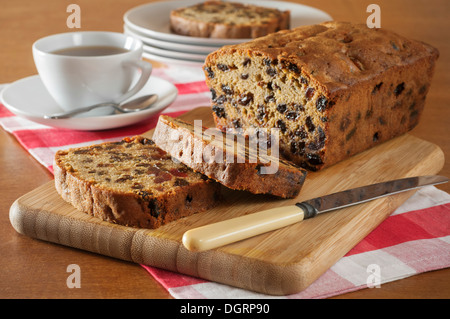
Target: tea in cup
{"points": [[85, 68]]}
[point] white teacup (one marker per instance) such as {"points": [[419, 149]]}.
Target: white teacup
{"points": [[85, 68]]}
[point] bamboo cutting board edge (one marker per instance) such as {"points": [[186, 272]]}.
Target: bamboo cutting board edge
{"points": [[254, 264], [88, 233]]}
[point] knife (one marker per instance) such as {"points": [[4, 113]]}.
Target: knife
{"points": [[235, 229]]}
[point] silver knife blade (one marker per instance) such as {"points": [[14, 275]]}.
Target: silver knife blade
{"points": [[366, 193]]}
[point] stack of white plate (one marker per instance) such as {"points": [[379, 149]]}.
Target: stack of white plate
{"points": [[150, 23]]}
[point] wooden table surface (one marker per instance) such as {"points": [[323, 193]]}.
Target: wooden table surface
{"points": [[36, 269]]}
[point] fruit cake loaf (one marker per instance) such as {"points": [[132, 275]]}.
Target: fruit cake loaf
{"points": [[132, 183], [333, 89], [229, 160], [220, 19]]}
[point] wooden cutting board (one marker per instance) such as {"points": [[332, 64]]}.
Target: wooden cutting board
{"points": [[281, 262]]}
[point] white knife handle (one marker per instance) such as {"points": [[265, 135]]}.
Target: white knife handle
{"points": [[235, 229]]}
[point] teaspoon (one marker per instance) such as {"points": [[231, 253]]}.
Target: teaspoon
{"points": [[135, 105]]}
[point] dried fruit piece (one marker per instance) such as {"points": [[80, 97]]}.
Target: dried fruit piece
{"points": [[245, 99], [399, 89]]}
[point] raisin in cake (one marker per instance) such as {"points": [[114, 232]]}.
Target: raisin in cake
{"points": [[333, 89], [239, 164], [132, 183], [219, 19]]}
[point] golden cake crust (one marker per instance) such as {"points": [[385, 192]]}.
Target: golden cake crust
{"points": [[337, 55]]}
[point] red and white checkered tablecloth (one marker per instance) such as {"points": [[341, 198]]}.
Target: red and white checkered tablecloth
{"points": [[414, 239]]}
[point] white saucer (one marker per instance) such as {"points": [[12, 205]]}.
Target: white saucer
{"points": [[152, 20], [28, 98]]}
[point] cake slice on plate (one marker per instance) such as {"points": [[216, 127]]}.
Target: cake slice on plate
{"points": [[228, 20]]}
